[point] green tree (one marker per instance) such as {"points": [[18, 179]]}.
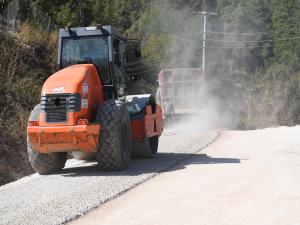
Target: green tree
{"points": [[285, 23], [3, 4]]}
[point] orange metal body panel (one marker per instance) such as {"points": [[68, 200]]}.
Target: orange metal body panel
{"points": [[151, 125], [71, 80], [69, 136], [64, 138]]}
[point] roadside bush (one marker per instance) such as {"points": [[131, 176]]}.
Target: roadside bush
{"points": [[272, 98]]}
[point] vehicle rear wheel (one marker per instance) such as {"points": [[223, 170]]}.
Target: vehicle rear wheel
{"points": [[114, 148], [146, 148], [44, 163]]}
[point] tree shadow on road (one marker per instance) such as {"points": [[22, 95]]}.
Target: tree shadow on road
{"points": [[162, 162], [203, 159]]}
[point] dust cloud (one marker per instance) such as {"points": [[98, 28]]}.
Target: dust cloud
{"points": [[227, 63]]}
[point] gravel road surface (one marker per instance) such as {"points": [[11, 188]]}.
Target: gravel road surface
{"points": [[80, 187], [245, 177]]}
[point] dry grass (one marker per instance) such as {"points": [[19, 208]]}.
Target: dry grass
{"points": [[25, 64], [41, 41]]}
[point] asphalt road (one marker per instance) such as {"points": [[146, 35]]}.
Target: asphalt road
{"points": [[81, 187], [245, 177]]}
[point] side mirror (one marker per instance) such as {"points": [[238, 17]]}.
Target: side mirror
{"points": [[133, 50]]}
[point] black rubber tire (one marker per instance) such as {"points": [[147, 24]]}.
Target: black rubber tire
{"points": [[44, 163], [115, 140], [146, 148]]}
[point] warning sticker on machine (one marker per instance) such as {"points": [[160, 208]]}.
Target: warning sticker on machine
{"points": [[85, 88], [84, 103], [58, 90]]}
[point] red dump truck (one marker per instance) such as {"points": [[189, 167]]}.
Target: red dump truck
{"points": [[180, 92]]}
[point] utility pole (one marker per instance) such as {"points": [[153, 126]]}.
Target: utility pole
{"points": [[204, 13], [204, 44]]}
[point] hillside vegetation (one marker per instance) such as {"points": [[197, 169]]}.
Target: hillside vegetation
{"points": [[253, 51]]}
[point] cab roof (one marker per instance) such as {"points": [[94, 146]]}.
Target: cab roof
{"points": [[90, 31]]}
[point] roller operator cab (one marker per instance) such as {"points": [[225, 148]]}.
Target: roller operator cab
{"points": [[84, 108]]}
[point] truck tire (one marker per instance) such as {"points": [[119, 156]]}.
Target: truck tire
{"points": [[146, 148], [44, 163], [115, 141]]}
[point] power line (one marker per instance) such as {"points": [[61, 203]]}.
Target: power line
{"points": [[141, 67], [138, 62], [253, 33], [251, 47], [144, 71], [248, 41], [148, 59], [236, 33]]}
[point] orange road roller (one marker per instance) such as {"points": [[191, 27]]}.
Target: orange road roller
{"points": [[85, 109]]}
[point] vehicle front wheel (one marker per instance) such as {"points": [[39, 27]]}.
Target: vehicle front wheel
{"points": [[114, 148], [44, 163]]}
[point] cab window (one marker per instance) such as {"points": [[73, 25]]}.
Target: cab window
{"points": [[94, 50]]}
